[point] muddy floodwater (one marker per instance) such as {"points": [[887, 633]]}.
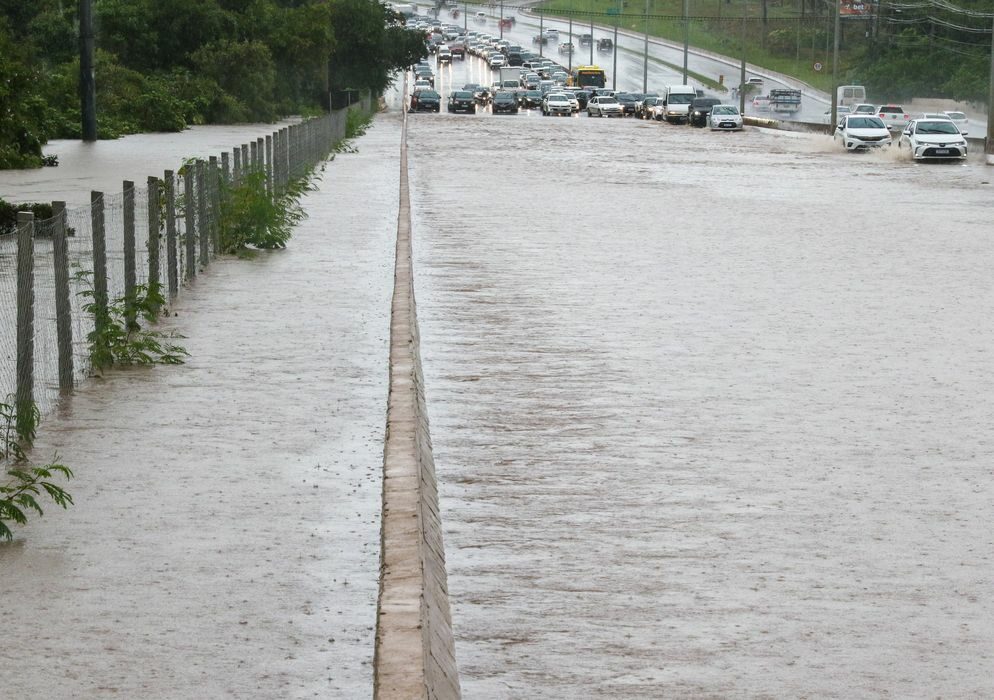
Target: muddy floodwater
{"points": [[225, 537], [711, 411]]}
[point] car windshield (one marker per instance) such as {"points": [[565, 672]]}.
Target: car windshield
{"points": [[558, 98], [427, 93], [956, 115], [503, 97], [937, 127], [462, 95], [607, 101], [891, 110], [681, 99], [865, 123], [724, 109]]}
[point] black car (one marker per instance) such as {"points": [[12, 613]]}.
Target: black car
{"points": [[605, 45], [586, 39], [505, 103], [461, 101], [582, 96], [530, 99], [700, 108], [627, 101], [426, 101]]}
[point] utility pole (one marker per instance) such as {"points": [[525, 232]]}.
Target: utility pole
{"points": [[686, 38], [614, 71], [645, 52], [742, 78], [87, 81], [501, 22], [541, 31], [835, 69], [591, 40], [465, 18], [569, 68], [989, 141]]}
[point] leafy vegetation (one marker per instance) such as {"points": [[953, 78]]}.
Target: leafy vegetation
{"points": [[119, 338], [252, 218], [21, 484], [161, 66]]}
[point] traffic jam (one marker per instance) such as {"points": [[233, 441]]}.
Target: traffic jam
{"points": [[473, 72]]}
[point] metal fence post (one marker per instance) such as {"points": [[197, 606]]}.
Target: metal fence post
{"points": [[214, 184], [129, 243], [24, 396], [63, 309], [154, 273], [191, 223], [203, 228], [99, 260], [172, 270], [270, 184]]}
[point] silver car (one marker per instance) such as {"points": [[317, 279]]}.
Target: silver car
{"points": [[604, 106], [933, 139]]}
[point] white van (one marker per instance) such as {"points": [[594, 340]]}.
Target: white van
{"points": [[851, 94], [676, 103]]}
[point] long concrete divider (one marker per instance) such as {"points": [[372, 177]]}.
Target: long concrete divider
{"points": [[415, 650]]}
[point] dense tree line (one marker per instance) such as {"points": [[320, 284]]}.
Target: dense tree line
{"points": [[164, 64]]}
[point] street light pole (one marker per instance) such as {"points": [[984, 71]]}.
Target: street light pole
{"points": [[645, 55], [541, 31], [686, 38], [742, 78], [569, 68], [989, 142], [591, 40], [501, 22], [614, 71], [835, 69]]}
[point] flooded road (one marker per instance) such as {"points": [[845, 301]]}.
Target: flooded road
{"points": [[225, 537], [710, 411]]}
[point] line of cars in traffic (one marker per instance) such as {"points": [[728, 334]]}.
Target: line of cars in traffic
{"points": [[926, 136]]}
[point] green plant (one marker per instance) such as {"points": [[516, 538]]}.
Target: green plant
{"points": [[25, 483], [118, 337], [252, 218]]}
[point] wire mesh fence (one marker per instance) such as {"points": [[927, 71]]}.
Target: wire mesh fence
{"points": [[55, 273]]}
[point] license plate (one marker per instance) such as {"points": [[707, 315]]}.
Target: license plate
{"points": [[942, 151]]}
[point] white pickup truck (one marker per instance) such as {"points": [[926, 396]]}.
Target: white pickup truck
{"points": [[894, 116]]}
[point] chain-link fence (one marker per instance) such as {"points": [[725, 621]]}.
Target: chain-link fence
{"points": [[56, 272]]}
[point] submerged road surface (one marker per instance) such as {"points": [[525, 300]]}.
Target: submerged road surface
{"points": [[710, 411], [225, 537]]}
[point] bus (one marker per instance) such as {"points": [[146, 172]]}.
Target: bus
{"points": [[588, 77], [849, 95]]}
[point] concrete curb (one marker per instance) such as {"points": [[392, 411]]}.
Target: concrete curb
{"points": [[415, 648]]}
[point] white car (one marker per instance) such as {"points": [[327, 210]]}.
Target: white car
{"points": [[961, 121], [496, 60], [928, 139], [557, 103], [421, 85], [841, 111], [860, 132], [604, 106], [724, 118], [863, 108]]}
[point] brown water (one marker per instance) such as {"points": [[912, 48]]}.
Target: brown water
{"points": [[709, 410]]}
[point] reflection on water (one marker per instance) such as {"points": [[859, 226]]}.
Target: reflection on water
{"points": [[104, 165]]}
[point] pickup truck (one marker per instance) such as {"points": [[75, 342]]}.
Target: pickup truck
{"points": [[894, 116], [782, 100]]}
